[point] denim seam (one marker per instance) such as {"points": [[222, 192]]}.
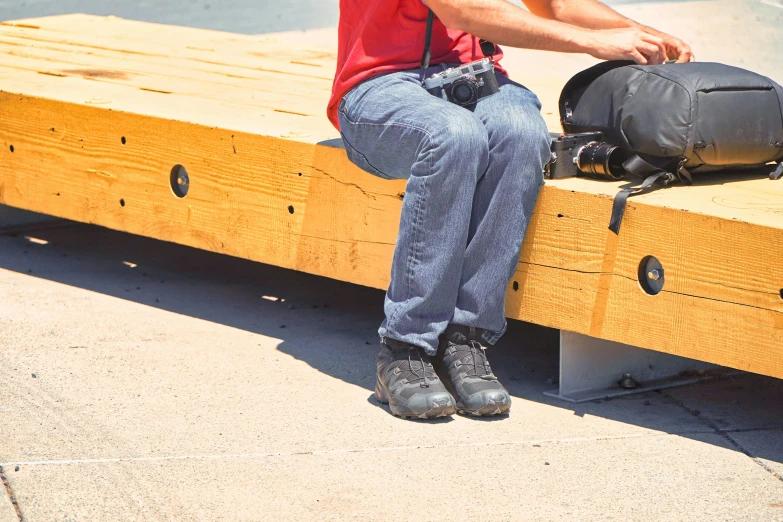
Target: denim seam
{"points": [[413, 256], [378, 171], [387, 124], [417, 242], [492, 336]]}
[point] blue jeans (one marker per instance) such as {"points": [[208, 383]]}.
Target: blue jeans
{"points": [[473, 178]]}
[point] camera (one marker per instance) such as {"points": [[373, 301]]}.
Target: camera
{"points": [[464, 85], [585, 154]]}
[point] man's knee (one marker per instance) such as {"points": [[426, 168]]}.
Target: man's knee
{"points": [[460, 133], [521, 131]]}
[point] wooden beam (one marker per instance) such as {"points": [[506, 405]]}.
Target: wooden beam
{"points": [[265, 185]]}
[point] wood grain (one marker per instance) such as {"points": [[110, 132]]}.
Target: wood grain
{"points": [[264, 186]]}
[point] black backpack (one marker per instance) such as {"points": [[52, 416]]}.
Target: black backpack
{"points": [[675, 120]]}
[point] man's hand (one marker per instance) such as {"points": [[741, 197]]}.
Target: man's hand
{"points": [[592, 14], [629, 44], [676, 49], [571, 26]]}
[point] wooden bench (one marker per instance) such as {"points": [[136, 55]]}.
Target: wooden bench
{"points": [[97, 112]]}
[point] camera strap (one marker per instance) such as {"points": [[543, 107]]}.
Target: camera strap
{"points": [[487, 48], [425, 58]]}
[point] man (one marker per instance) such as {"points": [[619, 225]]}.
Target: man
{"points": [[473, 173]]}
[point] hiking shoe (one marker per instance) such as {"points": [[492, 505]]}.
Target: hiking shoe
{"points": [[407, 382], [462, 364]]}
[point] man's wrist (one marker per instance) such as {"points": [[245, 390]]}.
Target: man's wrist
{"points": [[647, 29], [584, 41]]}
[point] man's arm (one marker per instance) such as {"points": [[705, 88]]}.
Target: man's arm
{"points": [[507, 24], [592, 14]]}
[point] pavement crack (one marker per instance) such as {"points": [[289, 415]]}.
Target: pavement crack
{"points": [[726, 435], [11, 496]]}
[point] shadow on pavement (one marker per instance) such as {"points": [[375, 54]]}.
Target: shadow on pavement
{"points": [[331, 326]]}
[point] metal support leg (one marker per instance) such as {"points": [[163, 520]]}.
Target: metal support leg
{"points": [[593, 369]]}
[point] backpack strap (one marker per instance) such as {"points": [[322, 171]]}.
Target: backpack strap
{"points": [[644, 169], [651, 174]]}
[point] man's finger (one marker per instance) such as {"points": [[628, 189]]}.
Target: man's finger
{"points": [[652, 52], [647, 48], [638, 57], [685, 56], [658, 42]]}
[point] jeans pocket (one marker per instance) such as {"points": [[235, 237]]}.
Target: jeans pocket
{"points": [[345, 98], [360, 160]]}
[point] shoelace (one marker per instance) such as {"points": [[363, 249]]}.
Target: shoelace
{"points": [[478, 348], [425, 383], [474, 348]]}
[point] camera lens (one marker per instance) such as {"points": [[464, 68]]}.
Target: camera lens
{"points": [[464, 91], [601, 160]]}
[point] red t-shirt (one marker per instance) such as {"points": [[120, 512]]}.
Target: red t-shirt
{"points": [[377, 36]]}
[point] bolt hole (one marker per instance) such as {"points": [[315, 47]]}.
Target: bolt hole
{"points": [[179, 181], [123, 140], [300, 174], [515, 286], [290, 209], [122, 202], [11, 148]]}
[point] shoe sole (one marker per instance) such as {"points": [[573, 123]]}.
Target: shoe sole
{"points": [[488, 410], [443, 408]]}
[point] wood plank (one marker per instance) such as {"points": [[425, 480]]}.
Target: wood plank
{"points": [[263, 188], [269, 92], [245, 62], [90, 33], [283, 122]]}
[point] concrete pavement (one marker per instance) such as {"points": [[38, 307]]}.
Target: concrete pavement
{"points": [[148, 381]]}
